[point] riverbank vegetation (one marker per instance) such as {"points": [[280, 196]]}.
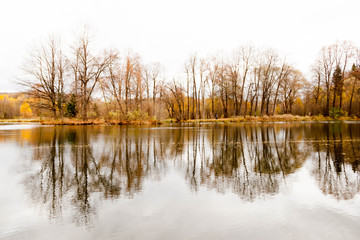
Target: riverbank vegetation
{"points": [[274, 118], [247, 119], [78, 85]]}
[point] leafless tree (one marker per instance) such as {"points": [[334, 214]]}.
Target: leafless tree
{"points": [[282, 74], [267, 76], [213, 70], [90, 69], [327, 61], [45, 76], [291, 86], [114, 81], [247, 55], [155, 74], [201, 92]]}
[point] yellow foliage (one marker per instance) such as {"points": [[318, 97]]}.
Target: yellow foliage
{"points": [[298, 107], [248, 108], [278, 109], [4, 97], [299, 103], [248, 105], [25, 110]]}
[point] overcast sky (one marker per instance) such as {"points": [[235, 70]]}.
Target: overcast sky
{"points": [[168, 31]]}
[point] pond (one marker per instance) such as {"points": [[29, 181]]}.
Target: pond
{"points": [[205, 181]]}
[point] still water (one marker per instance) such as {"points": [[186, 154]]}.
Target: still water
{"points": [[211, 181]]}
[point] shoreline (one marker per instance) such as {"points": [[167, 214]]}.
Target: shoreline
{"points": [[247, 119], [265, 119]]}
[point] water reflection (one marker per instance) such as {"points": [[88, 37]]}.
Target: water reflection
{"points": [[82, 165], [249, 160], [77, 163], [336, 164]]}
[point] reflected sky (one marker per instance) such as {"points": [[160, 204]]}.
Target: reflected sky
{"points": [[181, 182]]}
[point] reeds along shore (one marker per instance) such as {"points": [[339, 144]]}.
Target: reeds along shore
{"points": [[275, 118], [66, 121]]}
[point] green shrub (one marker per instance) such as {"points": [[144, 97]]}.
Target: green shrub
{"points": [[337, 113], [137, 115]]}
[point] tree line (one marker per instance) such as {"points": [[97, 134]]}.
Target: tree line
{"points": [[335, 86], [249, 81], [14, 105]]}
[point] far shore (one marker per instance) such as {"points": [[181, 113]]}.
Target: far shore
{"points": [[247, 119], [275, 118]]}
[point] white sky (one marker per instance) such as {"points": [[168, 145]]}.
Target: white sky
{"points": [[168, 31]]}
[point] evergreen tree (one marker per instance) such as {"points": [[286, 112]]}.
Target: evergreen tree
{"points": [[338, 83], [71, 110]]}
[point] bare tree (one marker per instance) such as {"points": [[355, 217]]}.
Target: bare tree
{"points": [[267, 78], [291, 86], [345, 51], [327, 61], [89, 70], [203, 81], [317, 75], [355, 75], [246, 53], [147, 82], [46, 69], [177, 93], [223, 82], [155, 74], [187, 71], [282, 74], [213, 70], [234, 77], [193, 65], [114, 81]]}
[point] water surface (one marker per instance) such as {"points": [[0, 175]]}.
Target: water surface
{"points": [[210, 181]]}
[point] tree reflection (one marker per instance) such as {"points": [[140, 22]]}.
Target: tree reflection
{"points": [[251, 160], [49, 184], [80, 166], [88, 166], [337, 165]]}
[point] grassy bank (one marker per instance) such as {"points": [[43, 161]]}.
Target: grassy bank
{"points": [[19, 120], [74, 121], [275, 118]]}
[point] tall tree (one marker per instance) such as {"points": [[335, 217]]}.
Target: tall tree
{"points": [[291, 86], [317, 81], [282, 74], [355, 76], [338, 83], [327, 60], [114, 82], [247, 54], [155, 74], [203, 81], [213, 70], [267, 74], [89, 70], [46, 70]]}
